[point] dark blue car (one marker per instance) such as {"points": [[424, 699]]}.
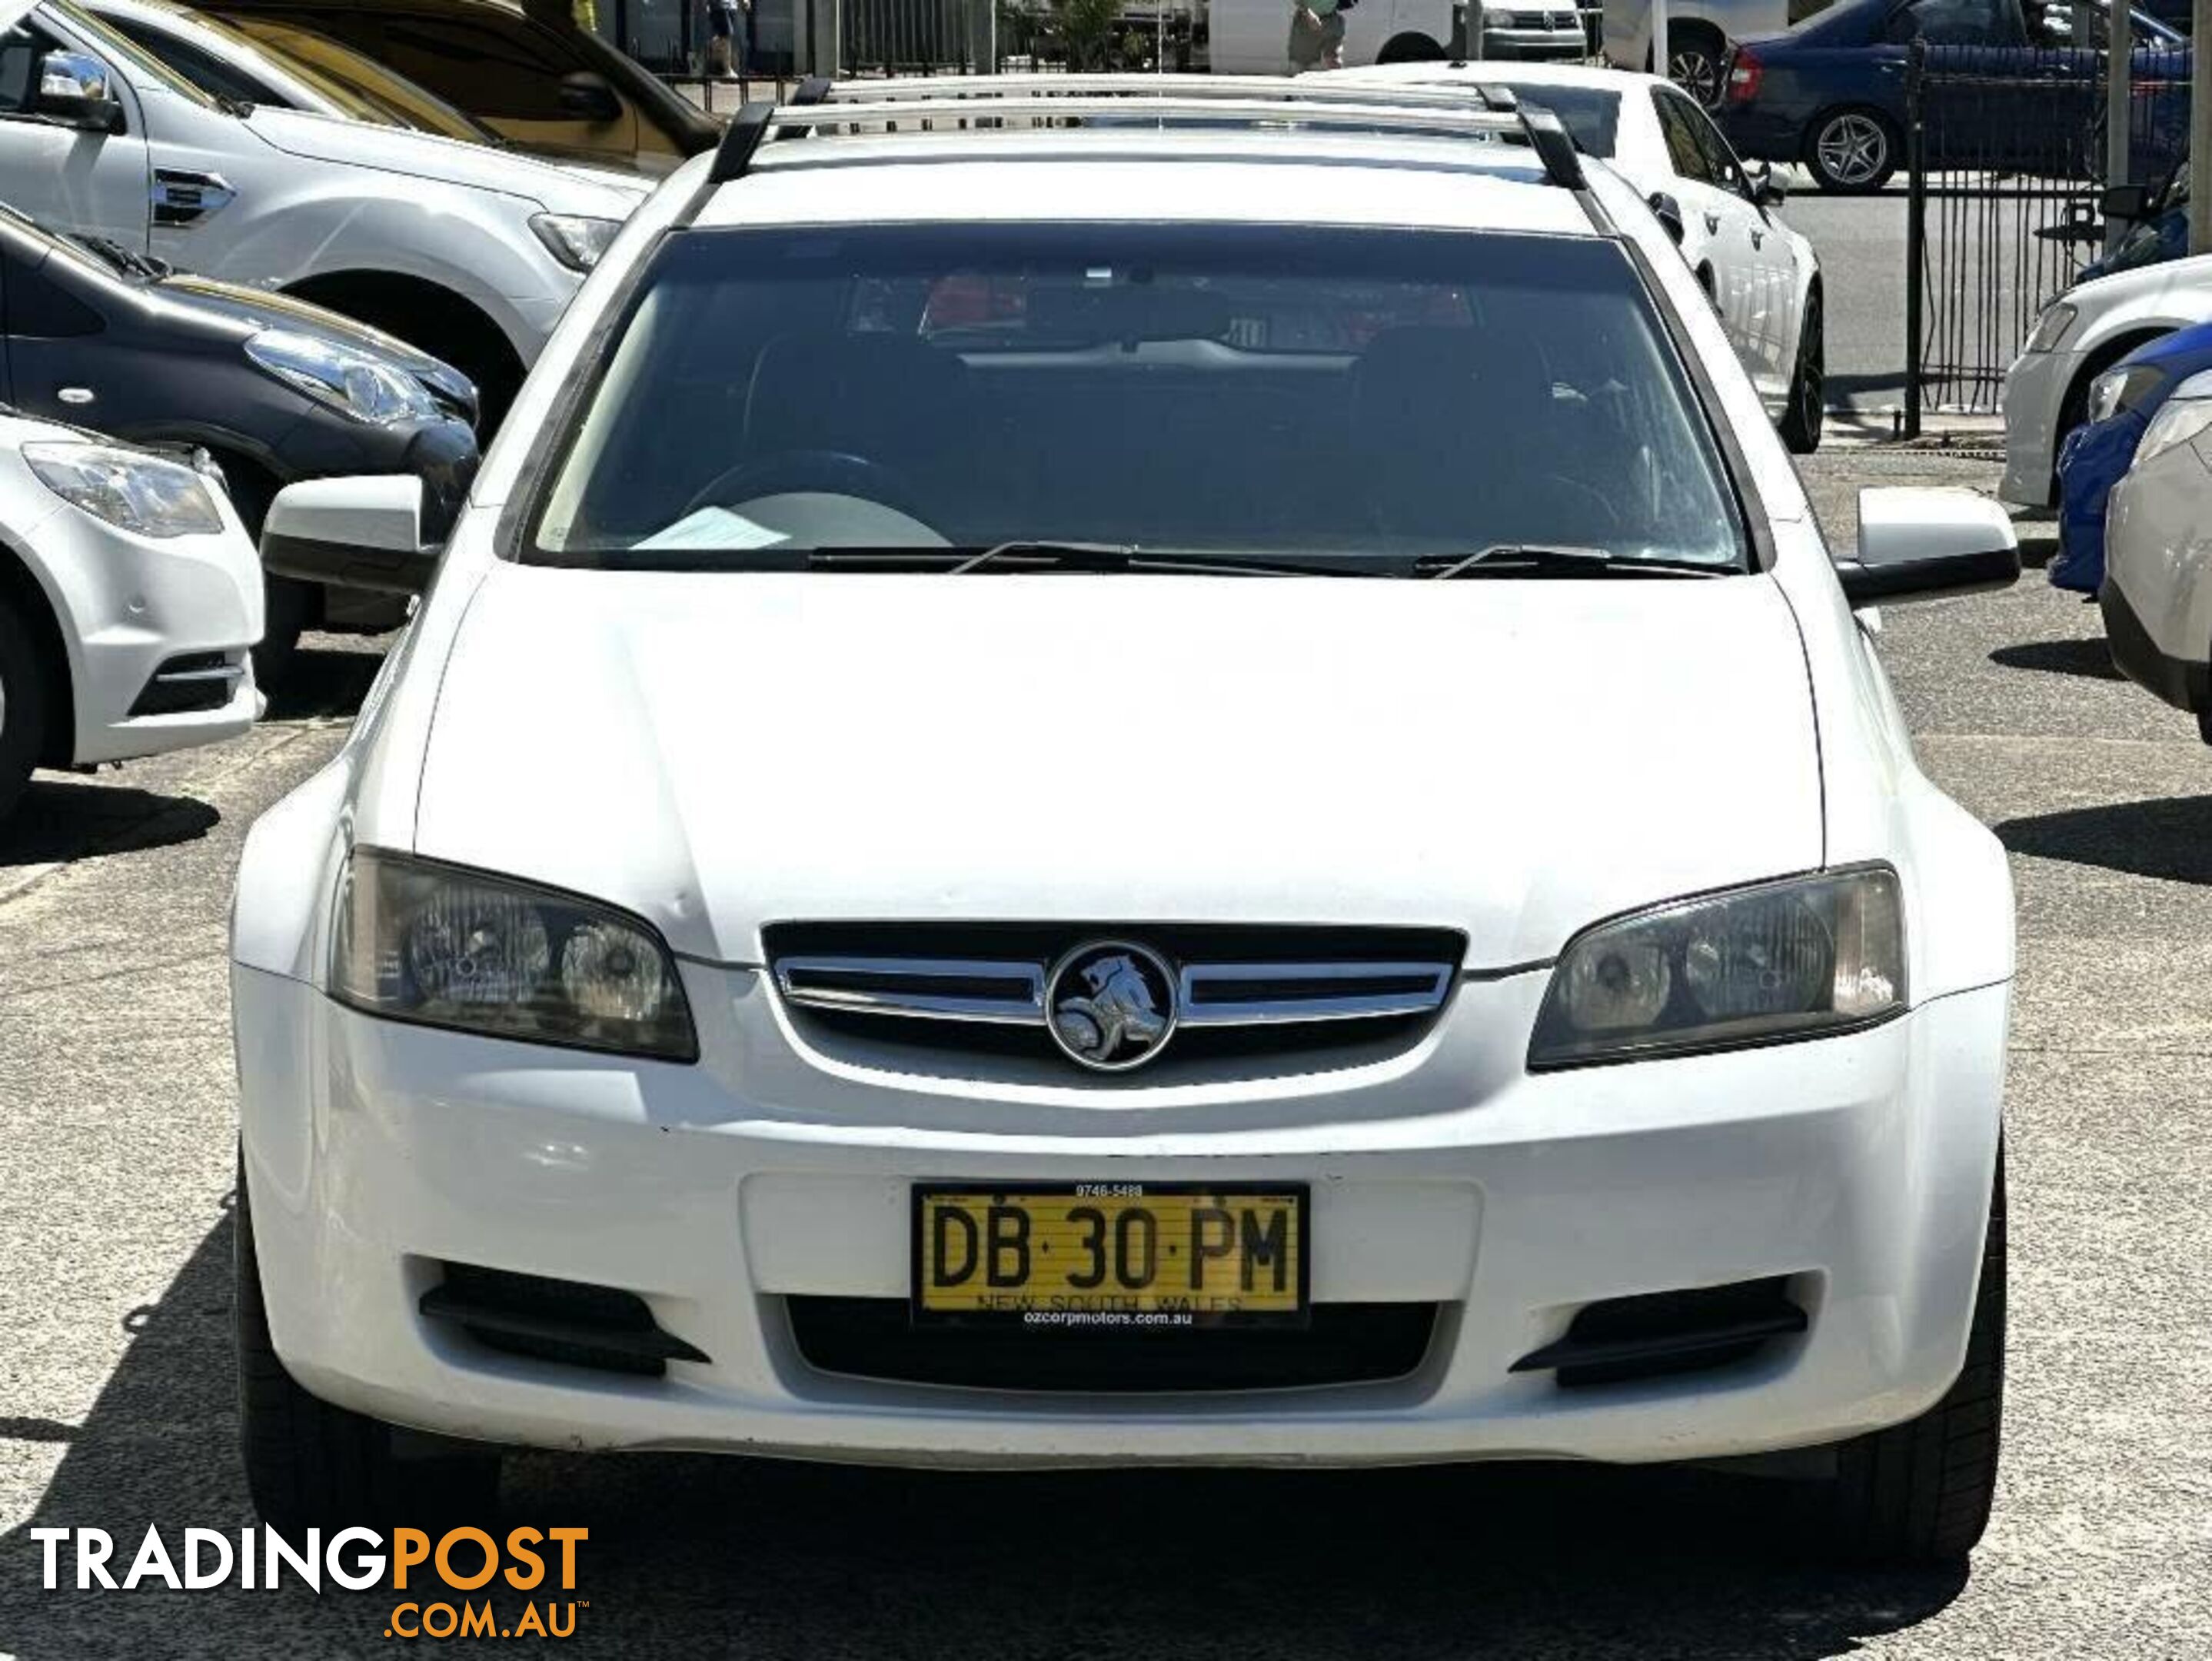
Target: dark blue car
{"points": [[2010, 89], [2094, 457]]}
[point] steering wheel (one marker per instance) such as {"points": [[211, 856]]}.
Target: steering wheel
{"points": [[832, 472]]}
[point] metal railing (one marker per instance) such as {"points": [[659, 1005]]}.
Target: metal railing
{"points": [[2004, 172]]}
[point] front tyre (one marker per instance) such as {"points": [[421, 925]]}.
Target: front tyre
{"points": [[1808, 385], [23, 704], [309, 1464], [1853, 152], [1919, 1492]]}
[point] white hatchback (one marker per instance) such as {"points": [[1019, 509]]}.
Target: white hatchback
{"points": [[1231, 812], [129, 596]]}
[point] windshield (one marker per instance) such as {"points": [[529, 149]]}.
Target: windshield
{"points": [[360, 86], [1372, 396]]}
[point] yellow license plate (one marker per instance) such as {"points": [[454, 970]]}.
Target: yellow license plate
{"points": [[1110, 1255]]}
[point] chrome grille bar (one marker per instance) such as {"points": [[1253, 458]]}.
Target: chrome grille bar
{"points": [[943, 989], [1251, 994]]}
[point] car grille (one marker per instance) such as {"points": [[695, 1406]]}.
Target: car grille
{"points": [[1344, 1344], [1236, 991]]}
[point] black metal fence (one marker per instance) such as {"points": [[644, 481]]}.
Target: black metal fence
{"points": [[2005, 160]]}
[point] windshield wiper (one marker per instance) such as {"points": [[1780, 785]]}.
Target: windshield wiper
{"points": [[1565, 560], [1033, 555], [127, 261]]}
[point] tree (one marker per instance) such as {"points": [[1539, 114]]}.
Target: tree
{"points": [[1086, 28]]}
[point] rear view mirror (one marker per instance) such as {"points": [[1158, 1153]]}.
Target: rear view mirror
{"points": [[589, 98], [356, 532], [2125, 201], [1766, 190], [1922, 543], [74, 90], [1668, 212]]}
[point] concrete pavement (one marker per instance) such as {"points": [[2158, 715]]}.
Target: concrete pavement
{"points": [[115, 1384]]}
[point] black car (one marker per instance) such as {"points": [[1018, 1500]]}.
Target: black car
{"points": [[274, 389]]}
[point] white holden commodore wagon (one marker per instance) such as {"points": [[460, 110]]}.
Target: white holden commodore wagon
{"points": [[1158, 773]]}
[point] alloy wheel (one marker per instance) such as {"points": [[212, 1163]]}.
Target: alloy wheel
{"points": [[1697, 71], [1853, 148]]}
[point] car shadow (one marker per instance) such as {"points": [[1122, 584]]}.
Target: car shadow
{"points": [[326, 682], [692, 1556], [2090, 658], [59, 819], [2168, 837]]}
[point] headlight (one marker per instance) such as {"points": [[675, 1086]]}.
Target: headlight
{"points": [[2050, 328], [1790, 959], [2179, 419], [128, 489], [432, 944], [2123, 389], [576, 242], [351, 383]]}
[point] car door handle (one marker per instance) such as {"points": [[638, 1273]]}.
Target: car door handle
{"points": [[1712, 224], [1759, 239], [185, 198]]}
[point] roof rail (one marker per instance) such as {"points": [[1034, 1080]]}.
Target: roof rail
{"points": [[959, 102]]}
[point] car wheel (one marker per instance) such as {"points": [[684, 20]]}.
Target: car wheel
{"points": [[309, 1464], [285, 604], [1809, 387], [1693, 63], [1919, 1492], [1853, 152], [22, 706]]}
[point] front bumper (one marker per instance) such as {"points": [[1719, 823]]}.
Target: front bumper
{"points": [[2157, 590], [2091, 461], [2034, 391], [1531, 46], [134, 609], [1859, 1166]]}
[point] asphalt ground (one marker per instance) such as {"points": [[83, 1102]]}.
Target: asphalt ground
{"points": [[117, 1106]]}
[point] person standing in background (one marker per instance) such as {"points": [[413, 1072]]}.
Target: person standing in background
{"points": [[726, 36], [1316, 35]]}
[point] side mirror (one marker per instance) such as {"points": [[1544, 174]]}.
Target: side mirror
{"points": [[589, 98], [74, 89], [1668, 212], [2125, 201], [1916, 543], [364, 533], [1766, 190]]}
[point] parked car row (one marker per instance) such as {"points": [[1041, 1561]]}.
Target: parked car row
{"points": [[2108, 417], [335, 271]]}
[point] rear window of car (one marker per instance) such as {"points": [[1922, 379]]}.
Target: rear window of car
{"points": [[1592, 115], [1377, 395]]}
